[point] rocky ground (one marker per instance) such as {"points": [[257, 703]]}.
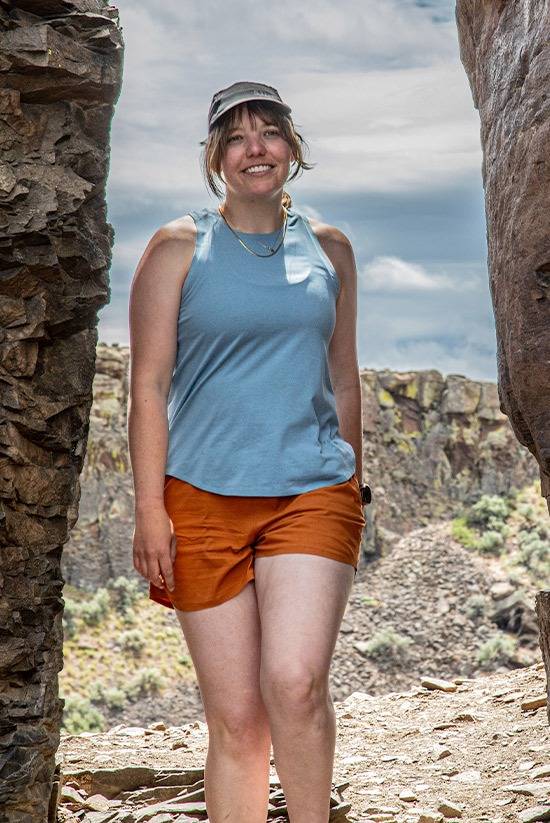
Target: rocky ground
{"points": [[431, 725], [429, 607], [475, 750]]}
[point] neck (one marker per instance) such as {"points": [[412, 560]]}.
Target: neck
{"points": [[261, 217]]}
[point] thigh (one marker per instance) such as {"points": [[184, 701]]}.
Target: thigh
{"points": [[301, 601], [224, 644]]}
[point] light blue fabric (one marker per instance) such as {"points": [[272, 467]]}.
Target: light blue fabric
{"points": [[251, 409]]}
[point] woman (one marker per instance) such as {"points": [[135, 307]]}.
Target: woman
{"points": [[245, 440]]}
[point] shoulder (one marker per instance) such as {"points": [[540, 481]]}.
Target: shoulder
{"points": [[176, 238], [169, 251], [334, 243], [181, 231]]}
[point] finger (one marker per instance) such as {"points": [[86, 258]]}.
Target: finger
{"points": [[167, 572], [138, 566], [154, 572], [168, 575]]}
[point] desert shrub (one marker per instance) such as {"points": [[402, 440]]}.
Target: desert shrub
{"points": [[124, 593], [498, 649], [476, 606], [111, 697], [146, 682], [527, 512], [95, 610], [71, 612], [80, 716], [490, 542], [128, 618], [387, 643], [534, 548], [489, 512], [462, 533], [132, 641]]}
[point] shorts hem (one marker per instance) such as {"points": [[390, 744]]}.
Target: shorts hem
{"points": [[215, 602], [317, 553]]}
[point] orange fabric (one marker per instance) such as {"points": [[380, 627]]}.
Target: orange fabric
{"points": [[218, 536]]}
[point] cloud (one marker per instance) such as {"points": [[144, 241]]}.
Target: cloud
{"points": [[377, 89], [466, 356], [379, 93], [451, 329], [386, 274]]}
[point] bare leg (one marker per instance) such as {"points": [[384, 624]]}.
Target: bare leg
{"points": [[224, 644], [302, 599]]}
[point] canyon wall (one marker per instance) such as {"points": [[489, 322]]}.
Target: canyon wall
{"points": [[505, 49], [60, 75]]}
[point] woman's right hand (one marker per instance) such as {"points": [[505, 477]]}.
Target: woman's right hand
{"points": [[155, 545]]}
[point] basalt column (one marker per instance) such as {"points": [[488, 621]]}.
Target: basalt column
{"points": [[60, 76], [505, 49]]}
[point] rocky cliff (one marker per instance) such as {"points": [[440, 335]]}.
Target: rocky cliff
{"points": [[60, 76], [505, 49], [431, 445]]}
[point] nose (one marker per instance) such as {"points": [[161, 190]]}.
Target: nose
{"points": [[254, 145]]}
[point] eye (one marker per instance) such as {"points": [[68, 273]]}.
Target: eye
{"points": [[273, 131], [235, 137]]}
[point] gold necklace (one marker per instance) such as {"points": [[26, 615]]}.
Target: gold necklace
{"points": [[271, 249]]}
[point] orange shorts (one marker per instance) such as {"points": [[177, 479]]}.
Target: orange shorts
{"points": [[218, 536]]}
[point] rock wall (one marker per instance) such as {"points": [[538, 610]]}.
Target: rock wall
{"points": [[60, 75], [430, 445], [505, 49]]}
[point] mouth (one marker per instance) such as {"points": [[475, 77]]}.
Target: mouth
{"points": [[259, 170]]}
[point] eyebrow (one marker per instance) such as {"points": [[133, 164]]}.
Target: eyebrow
{"points": [[237, 128]]}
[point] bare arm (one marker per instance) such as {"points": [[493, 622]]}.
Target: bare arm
{"points": [[343, 365], [153, 313]]}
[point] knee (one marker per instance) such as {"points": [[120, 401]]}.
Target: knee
{"points": [[298, 689], [243, 727]]}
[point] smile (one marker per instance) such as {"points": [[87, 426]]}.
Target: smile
{"points": [[263, 169]]}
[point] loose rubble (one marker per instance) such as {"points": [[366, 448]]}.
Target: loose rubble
{"points": [[471, 750]]}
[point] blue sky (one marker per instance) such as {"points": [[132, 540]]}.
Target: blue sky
{"points": [[379, 93]]}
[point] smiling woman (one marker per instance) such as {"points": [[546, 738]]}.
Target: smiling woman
{"points": [[244, 428], [225, 128]]}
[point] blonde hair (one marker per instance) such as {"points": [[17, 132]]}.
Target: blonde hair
{"points": [[215, 143]]}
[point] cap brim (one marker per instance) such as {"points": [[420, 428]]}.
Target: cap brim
{"points": [[246, 100]]}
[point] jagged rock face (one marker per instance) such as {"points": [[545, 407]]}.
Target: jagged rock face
{"points": [[505, 49], [60, 75], [430, 445]]}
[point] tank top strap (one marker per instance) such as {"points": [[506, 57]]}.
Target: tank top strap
{"points": [[204, 220]]}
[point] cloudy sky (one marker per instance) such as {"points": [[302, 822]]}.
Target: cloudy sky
{"points": [[379, 93]]}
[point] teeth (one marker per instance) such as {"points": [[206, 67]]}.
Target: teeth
{"points": [[254, 169]]}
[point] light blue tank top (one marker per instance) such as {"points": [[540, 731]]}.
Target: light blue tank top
{"points": [[251, 408]]}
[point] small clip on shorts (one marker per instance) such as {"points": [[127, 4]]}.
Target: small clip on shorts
{"points": [[218, 536]]}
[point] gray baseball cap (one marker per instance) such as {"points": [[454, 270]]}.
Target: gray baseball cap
{"points": [[241, 92]]}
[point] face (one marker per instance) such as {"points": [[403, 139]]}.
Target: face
{"points": [[255, 143]]}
